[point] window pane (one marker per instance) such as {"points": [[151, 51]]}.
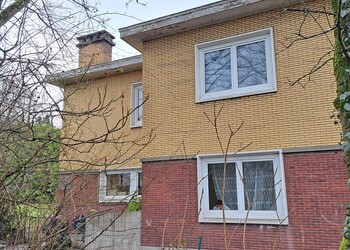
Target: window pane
{"points": [[217, 70], [139, 104], [251, 64], [259, 185], [118, 184], [215, 181]]}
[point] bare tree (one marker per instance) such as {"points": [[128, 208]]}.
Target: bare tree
{"points": [[36, 40]]}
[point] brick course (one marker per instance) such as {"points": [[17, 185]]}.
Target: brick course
{"points": [[316, 195]]}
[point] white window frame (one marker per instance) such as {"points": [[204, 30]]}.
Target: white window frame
{"points": [[134, 102], [118, 198], [232, 42], [279, 217]]}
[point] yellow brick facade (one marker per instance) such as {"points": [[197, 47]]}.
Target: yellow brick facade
{"points": [[298, 116], [110, 98], [292, 117]]}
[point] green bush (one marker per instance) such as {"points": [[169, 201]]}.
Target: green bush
{"points": [[134, 205]]}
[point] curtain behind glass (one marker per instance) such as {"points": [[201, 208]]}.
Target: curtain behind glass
{"points": [[217, 173], [259, 185]]}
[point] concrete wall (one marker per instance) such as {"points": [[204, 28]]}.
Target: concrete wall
{"points": [[122, 231]]}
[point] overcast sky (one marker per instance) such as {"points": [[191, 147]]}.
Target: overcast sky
{"points": [[152, 9]]}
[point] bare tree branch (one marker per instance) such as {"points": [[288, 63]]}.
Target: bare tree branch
{"points": [[11, 10]]}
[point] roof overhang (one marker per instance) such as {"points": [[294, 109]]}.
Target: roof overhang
{"points": [[97, 71], [201, 16]]}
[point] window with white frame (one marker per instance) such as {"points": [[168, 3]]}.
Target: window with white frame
{"points": [[235, 66], [119, 185], [136, 105], [254, 188]]}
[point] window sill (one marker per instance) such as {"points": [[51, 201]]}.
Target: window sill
{"points": [[223, 97], [137, 125], [115, 199], [245, 221], [118, 199], [107, 203]]}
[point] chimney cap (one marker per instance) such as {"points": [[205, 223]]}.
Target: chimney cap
{"points": [[96, 37]]}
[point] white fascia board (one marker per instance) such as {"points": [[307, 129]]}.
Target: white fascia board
{"points": [[96, 71], [209, 14]]}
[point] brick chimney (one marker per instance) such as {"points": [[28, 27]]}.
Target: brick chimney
{"points": [[95, 48]]}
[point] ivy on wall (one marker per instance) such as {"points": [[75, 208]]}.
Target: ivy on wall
{"points": [[342, 102]]}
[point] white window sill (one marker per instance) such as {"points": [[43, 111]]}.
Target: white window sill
{"points": [[136, 125], [223, 97], [115, 199], [118, 199], [254, 217], [245, 221]]}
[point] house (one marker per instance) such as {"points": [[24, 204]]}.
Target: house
{"points": [[223, 67]]}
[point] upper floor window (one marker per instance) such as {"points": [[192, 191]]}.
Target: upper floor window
{"points": [[254, 188], [136, 105], [235, 66]]}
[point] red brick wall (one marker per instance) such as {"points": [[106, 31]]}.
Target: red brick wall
{"points": [[79, 195], [316, 196]]}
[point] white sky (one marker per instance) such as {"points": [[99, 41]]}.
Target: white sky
{"points": [[152, 9]]}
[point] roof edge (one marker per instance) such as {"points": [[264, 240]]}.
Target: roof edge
{"points": [[96, 71], [198, 17]]}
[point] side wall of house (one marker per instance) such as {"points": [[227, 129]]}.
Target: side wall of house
{"points": [[95, 108], [98, 132], [316, 193]]}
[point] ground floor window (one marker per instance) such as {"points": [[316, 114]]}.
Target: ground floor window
{"points": [[254, 188], [119, 185]]}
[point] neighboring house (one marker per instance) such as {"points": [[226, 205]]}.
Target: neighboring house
{"points": [[228, 54]]}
